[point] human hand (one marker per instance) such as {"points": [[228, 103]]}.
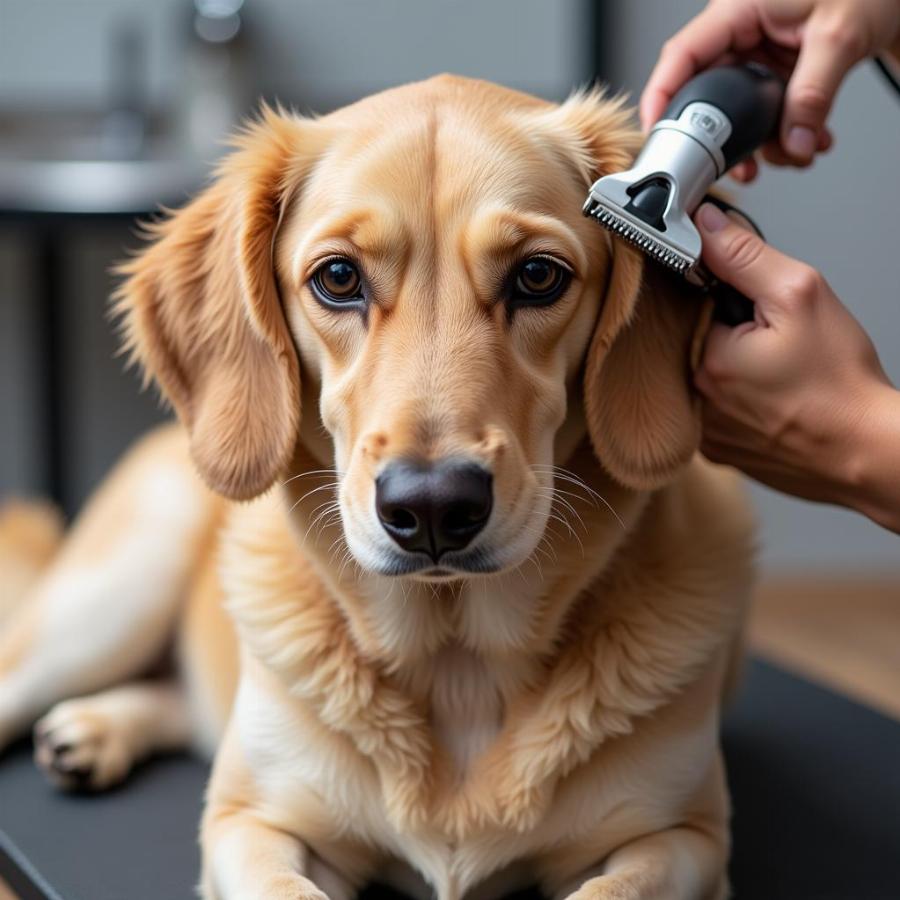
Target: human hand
{"points": [[814, 43], [797, 399]]}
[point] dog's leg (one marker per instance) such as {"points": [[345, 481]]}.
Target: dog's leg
{"points": [[248, 855], [246, 859], [93, 742], [682, 863], [686, 862], [105, 610], [30, 535]]}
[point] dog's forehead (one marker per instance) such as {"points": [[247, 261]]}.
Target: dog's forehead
{"points": [[442, 152]]}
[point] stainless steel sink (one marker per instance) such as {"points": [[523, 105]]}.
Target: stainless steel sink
{"points": [[91, 163]]}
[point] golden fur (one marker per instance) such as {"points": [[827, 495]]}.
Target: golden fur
{"points": [[551, 718]]}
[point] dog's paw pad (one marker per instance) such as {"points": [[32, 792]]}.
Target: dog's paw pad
{"points": [[79, 747]]}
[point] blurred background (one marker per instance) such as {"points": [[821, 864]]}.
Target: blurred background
{"points": [[110, 107]]}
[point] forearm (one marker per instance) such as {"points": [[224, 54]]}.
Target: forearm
{"points": [[872, 481]]}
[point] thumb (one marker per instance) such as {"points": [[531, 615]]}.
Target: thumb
{"points": [[741, 258], [829, 50]]}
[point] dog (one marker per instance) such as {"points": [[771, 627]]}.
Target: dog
{"points": [[467, 623]]}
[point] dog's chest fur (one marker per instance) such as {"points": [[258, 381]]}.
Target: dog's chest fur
{"points": [[466, 705], [471, 759]]}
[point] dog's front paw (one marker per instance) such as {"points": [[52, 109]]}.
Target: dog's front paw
{"points": [[613, 887], [290, 887], [80, 747]]}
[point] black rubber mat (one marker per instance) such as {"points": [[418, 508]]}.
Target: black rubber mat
{"points": [[815, 783]]}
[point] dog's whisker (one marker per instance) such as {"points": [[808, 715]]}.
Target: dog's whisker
{"points": [[348, 559], [297, 502], [333, 486], [334, 545], [556, 517], [330, 507], [543, 536], [548, 545], [570, 477], [586, 498], [312, 472], [529, 560], [553, 494], [616, 516], [521, 574]]}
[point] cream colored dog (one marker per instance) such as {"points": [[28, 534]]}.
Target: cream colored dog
{"points": [[463, 668]]}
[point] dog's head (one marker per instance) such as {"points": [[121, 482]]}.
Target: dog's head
{"points": [[418, 268]]}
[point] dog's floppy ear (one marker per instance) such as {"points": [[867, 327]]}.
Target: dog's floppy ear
{"points": [[201, 312], [642, 418]]}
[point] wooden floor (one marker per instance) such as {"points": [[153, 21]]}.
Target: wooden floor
{"points": [[844, 634]]}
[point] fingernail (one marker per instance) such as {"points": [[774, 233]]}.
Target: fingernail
{"points": [[712, 218], [801, 142]]}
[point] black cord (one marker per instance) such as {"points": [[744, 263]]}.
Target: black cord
{"points": [[727, 207], [731, 307], [889, 76]]}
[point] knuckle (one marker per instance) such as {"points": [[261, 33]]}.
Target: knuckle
{"points": [[802, 286], [843, 33], [743, 248], [715, 369], [670, 46], [812, 99]]}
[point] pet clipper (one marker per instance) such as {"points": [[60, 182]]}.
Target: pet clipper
{"points": [[715, 121]]}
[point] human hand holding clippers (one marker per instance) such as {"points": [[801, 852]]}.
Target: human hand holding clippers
{"points": [[797, 398], [794, 394], [812, 43]]}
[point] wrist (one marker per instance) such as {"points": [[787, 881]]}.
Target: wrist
{"points": [[894, 51], [870, 471]]}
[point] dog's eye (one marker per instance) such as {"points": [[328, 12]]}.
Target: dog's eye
{"points": [[338, 281], [540, 280]]}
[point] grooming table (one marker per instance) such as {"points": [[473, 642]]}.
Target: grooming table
{"points": [[815, 781]]}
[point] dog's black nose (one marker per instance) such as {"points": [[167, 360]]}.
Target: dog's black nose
{"points": [[433, 508]]}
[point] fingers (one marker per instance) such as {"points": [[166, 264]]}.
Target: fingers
{"points": [[772, 152], [720, 349], [745, 171], [832, 45], [739, 257], [699, 44]]}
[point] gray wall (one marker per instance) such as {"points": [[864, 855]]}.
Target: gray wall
{"points": [[842, 216], [19, 373], [314, 53]]}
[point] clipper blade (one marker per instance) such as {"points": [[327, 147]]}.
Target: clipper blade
{"points": [[649, 242]]}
